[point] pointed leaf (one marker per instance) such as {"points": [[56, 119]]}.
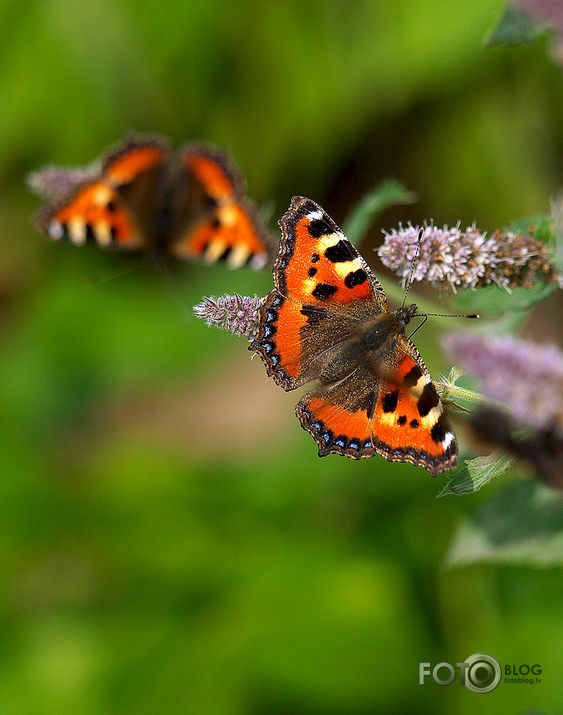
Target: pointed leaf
{"points": [[366, 211], [522, 524], [476, 473]]}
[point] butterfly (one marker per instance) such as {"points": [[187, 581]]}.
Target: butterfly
{"points": [[327, 321], [141, 197]]}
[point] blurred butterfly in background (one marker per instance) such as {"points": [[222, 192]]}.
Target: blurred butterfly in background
{"points": [[141, 197]]}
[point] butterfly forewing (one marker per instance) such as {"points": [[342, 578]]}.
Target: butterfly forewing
{"points": [[213, 219], [116, 208]]}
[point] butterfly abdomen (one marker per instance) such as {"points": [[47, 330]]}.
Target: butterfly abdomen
{"points": [[342, 363]]}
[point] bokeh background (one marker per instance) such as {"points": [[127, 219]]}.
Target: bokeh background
{"points": [[169, 541]]}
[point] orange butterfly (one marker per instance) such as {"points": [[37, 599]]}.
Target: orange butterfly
{"points": [[327, 320], [192, 206]]}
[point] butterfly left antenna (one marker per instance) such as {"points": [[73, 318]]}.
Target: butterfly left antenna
{"points": [[413, 264], [163, 269]]}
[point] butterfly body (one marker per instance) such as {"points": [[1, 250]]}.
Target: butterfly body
{"points": [[142, 197], [327, 321]]}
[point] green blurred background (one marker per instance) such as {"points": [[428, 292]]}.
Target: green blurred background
{"points": [[169, 541]]}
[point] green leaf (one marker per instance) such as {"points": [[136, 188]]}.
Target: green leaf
{"points": [[522, 524], [494, 300], [542, 227], [476, 473], [366, 211], [557, 228], [515, 27]]}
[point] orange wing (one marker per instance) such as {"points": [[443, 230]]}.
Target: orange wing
{"points": [[220, 223], [317, 274], [401, 419], [279, 340], [116, 208]]}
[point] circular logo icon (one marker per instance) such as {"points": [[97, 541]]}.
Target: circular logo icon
{"points": [[483, 673]]}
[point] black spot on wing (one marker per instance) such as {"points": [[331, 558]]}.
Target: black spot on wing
{"points": [[412, 377], [389, 401], [312, 271], [315, 257], [225, 254], [402, 420], [340, 252], [307, 206], [324, 291], [355, 278], [319, 227], [369, 404], [210, 202], [414, 424], [438, 432], [313, 313], [428, 400]]}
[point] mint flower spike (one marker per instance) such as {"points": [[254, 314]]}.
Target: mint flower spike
{"points": [[467, 259], [526, 377], [236, 313], [55, 181]]}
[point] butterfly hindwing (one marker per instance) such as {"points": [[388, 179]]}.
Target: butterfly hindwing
{"points": [[399, 417], [298, 342], [214, 220]]}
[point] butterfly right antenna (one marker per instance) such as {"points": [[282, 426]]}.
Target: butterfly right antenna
{"points": [[413, 264]]}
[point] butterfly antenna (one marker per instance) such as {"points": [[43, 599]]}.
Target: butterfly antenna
{"points": [[413, 264], [445, 315], [437, 315], [418, 327], [115, 276]]}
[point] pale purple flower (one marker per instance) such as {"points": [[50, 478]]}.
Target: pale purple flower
{"points": [[466, 259], [236, 313], [525, 376], [55, 181], [546, 12]]}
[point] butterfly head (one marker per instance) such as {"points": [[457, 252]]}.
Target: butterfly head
{"points": [[403, 315]]}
